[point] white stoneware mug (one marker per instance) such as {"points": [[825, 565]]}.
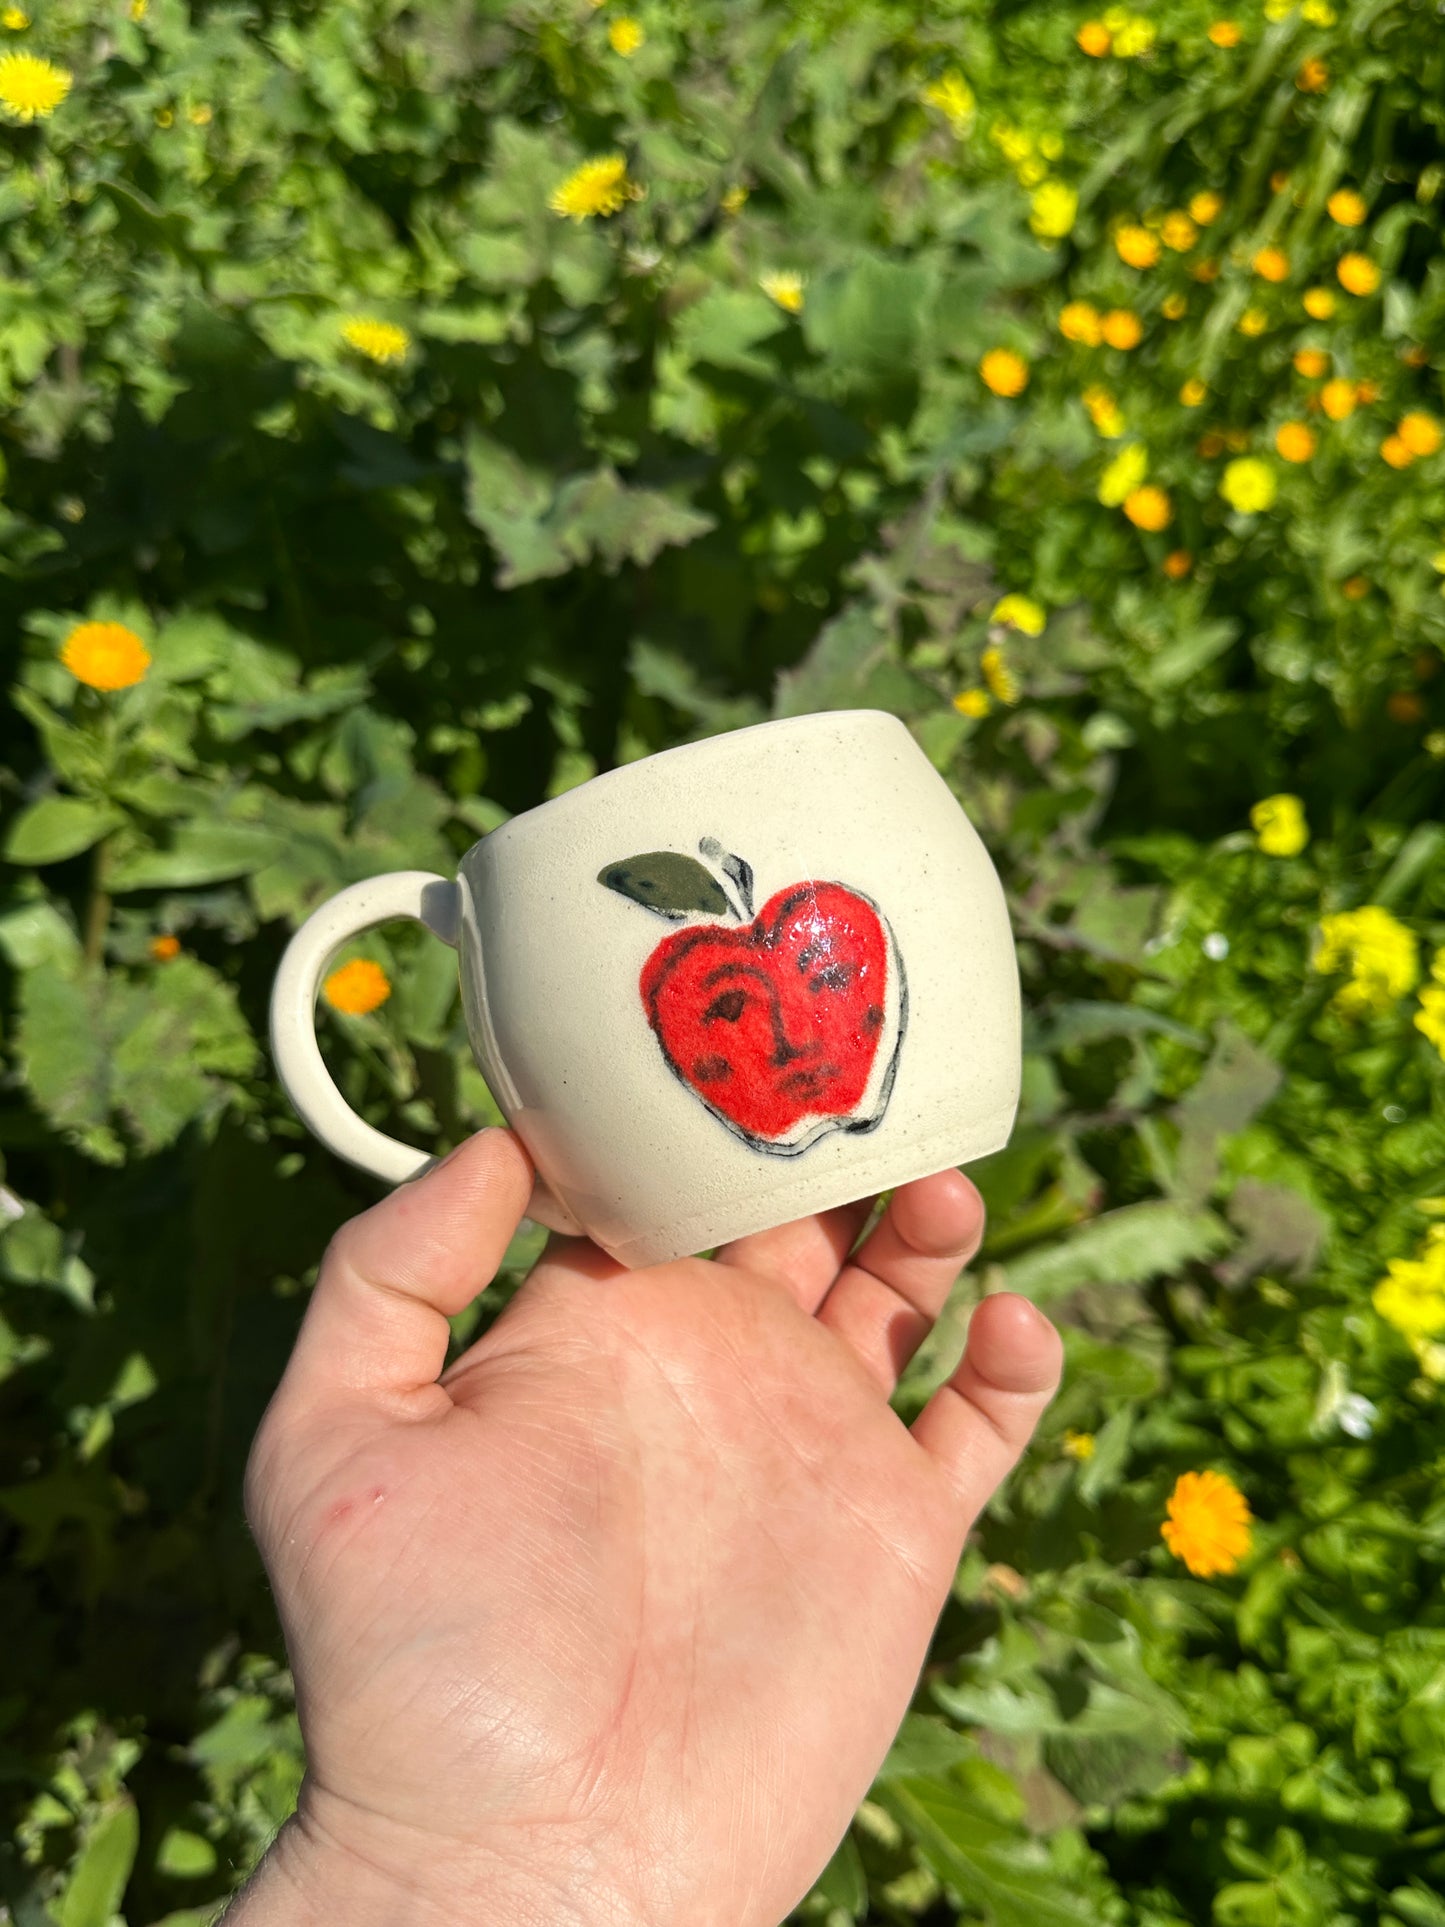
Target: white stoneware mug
{"points": [[712, 991]]}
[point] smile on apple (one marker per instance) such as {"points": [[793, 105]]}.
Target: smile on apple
{"points": [[788, 1024]]}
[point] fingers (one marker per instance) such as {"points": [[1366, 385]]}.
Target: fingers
{"points": [[884, 1303], [376, 1327], [977, 1424], [802, 1257]]}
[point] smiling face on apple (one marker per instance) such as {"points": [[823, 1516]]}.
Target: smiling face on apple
{"points": [[788, 1026]]}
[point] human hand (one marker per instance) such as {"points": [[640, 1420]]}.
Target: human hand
{"points": [[614, 1623]]}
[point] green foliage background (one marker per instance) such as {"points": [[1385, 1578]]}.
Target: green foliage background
{"points": [[613, 498]]}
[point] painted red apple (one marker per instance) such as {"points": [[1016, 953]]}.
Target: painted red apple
{"points": [[788, 1026]]}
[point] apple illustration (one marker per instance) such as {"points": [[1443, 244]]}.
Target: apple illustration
{"points": [[788, 1024]]}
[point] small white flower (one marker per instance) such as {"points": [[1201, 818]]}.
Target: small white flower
{"points": [[1216, 946], [1356, 1415]]}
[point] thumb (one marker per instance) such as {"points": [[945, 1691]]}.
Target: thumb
{"points": [[376, 1327], [976, 1425]]}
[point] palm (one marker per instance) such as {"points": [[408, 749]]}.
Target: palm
{"points": [[655, 1555]]}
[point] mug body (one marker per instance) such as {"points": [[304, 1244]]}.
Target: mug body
{"points": [[742, 981]]}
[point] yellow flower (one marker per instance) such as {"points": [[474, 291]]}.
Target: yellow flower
{"points": [[1347, 207], [1149, 508], [1209, 1523], [1226, 33], [1177, 564], [15, 18], [1004, 372], [1337, 398], [1430, 1017], [1248, 485], [1380, 953], [1078, 1445], [1206, 207], [625, 35], [973, 702], [1253, 321], [1079, 321], [1032, 172], [1319, 303], [954, 99], [1313, 76], [785, 286], [1420, 433], [164, 949], [1193, 392], [1002, 682], [1123, 475], [357, 988], [1022, 612], [1396, 452], [1319, 13], [1295, 441], [1094, 38], [138, 9], [1136, 36], [1136, 246], [1174, 306], [1355, 588], [1122, 328], [1054, 206], [1271, 264], [380, 341], [733, 199], [598, 186], [1412, 1295], [1279, 824], [1278, 9], [1103, 412], [1311, 363], [1178, 232], [31, 88], [1357, 273], [199, 116], [106, 655]]}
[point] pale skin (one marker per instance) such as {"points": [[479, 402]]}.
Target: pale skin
{"points": [[612, 1622]]}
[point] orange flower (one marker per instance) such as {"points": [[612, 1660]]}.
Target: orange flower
{"points": [[1295, 442], [1346, 207], [1313, 76], [1136, 246], [1193, 392], [1079, 321], [1225, 33], [1177, 564], [1337, 398], [1148, 508], [1206, 206], [358, 987], [1396, 452], [1209, 1523], [1311, 363], [1358, 274], [1211, 444], [1121, 328], [164, 948], [105, 655], [1366, 392], [1355, 588], [1404, 707], [1177, 231], [1004, 372], [1205, 270], [1271, 264], [1318, 302], [1420, 433], [1094, 38], [1416, 356]]}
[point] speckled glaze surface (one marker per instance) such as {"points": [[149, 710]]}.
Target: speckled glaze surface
{"points": [[717, 989]]}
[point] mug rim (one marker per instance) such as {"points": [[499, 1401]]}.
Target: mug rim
{"points": [[813, 716]]}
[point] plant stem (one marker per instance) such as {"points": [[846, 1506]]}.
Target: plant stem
{"points": [[97, 909]]}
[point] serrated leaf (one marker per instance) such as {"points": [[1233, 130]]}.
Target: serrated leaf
{"points": [[1123, 1247], [58, 827], [990, 1865], [673, 885]]}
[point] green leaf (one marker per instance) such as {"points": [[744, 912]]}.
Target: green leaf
{"points": [[1123, 1247], [673, 885], [990, 1865], [37, 933], [98, 1878], [200, 852], [58, 827]]}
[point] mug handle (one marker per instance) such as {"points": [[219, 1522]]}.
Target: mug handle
{"points": [[426, 899]]}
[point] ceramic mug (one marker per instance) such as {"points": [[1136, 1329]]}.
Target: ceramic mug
{"points": [[712, 991]]}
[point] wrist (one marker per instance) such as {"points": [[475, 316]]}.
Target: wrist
{"points": [[309, 1878]]}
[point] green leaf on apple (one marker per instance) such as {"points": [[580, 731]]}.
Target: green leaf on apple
{"points": [[673, 885]]}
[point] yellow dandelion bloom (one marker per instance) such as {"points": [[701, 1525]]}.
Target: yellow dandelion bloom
{"points": [[1177, 231], [1149, 508], [15, 18], [1004, 372], [1396, 452], [1226, 33], [1253, 321], [1174, 307], [1311, 363], [164, 949], [1053, 209], [1294, 441], [1411, 1296], [1136, 36], [1279, 825], [1193, 392], [1346, 207], [1271, 264], [1079, 321], [973, 702], [1003, 684], [1123, 475], [954, 99], [1206, 206], [1357, 273], [1318, 303], [1022, 612], [1338, 398], [105, 655], [1094, 39], [1313, 76], [1248, 485], [625, 35], [1209, 1523], [1136, 246], [598, 186], [785, 286], [380, 341], [1078, 1445], [31, 88], [357, 988], [1122, 328], [1380, 953], [1419, 432], [1177, 564]]}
